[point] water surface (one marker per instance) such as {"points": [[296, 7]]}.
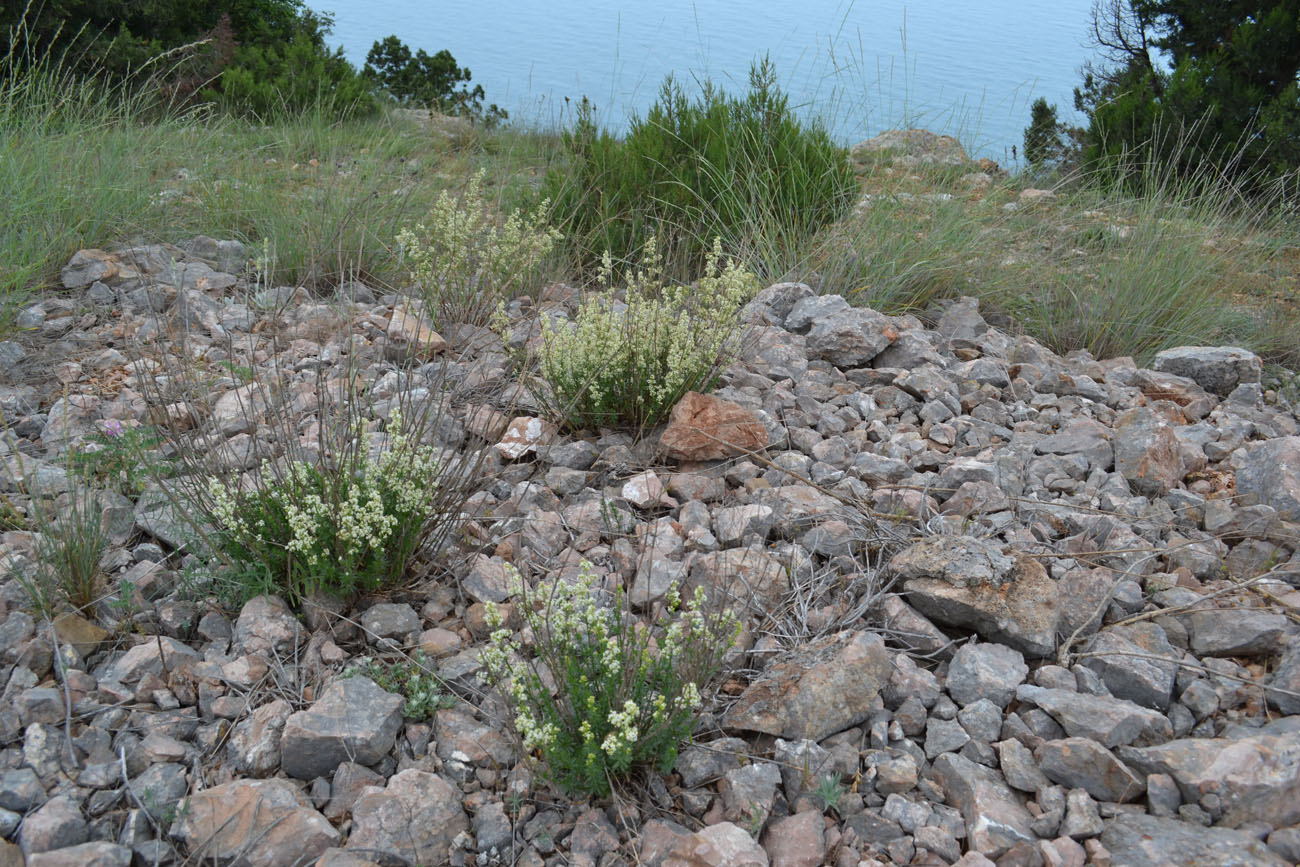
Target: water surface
{"points": [[965, 67]]}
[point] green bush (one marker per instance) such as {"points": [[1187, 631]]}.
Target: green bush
{"points": [[743, 169], [628, 362], [428, 81], [335, 527], [623, 700]]}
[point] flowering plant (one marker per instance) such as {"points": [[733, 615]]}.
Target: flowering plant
{"points": [[334, 528], [629, 363], [625, 694]]}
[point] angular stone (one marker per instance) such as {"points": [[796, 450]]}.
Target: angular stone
{"points": [[1081, 437], [1147, 452], [1217, 369], [266, 626], [1136, 840], [1236, 632], [734, 523], [97, 854], [1137, 663], [1284, 692], [749, 791], [817, 690], [1017, 764], [261, 823], [1020, 611], [850, 338], [698, 764], [411, 333], [395, 620], [525, 435], [413, 820], [995, 818], [985, 671], [961, 561], [353, 721], [705, 428], [721, 845], [746, 579], [153, 656], [254, 746], [1081, 763], [796, 841], [1111, 722], [1270, 475], [56, 824], [1256, 778]]}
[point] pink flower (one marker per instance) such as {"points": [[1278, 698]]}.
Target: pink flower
{"points": [[113, 428]]}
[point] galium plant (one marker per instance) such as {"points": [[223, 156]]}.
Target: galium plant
{"points": [[466, 261], [313, 527], [410, 678], [625, 695], [626, 363]]}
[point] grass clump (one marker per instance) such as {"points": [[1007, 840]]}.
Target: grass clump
{"points": [[464, 263], [328, 526], [410, 678], [627, 695], [743, 169], [628, 362]]}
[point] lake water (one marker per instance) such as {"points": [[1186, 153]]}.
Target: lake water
{"points": [[965, 67]]}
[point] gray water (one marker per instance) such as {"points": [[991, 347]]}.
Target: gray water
{"points": [[969, 68]]}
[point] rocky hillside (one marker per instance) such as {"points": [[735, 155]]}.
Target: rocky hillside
{"points": [[999, 606]]}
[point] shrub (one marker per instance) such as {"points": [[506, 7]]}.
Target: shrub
{"points": [[743, 169], [625, 696], [628, 363], [427, 81], [1042, 136], [328, 526], [410, 678], [466, 263], [116, 455]]}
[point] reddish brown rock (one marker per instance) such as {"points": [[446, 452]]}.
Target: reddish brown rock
{"points": [[705, 428], [263, 823]]}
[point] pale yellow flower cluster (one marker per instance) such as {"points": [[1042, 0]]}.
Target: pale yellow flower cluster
{"points": [[632, 361], [464, 261], [581, 635], [359, 521]]}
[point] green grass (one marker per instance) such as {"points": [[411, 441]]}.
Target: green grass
{"points": [[1097, 268]]}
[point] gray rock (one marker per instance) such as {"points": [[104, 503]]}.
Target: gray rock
{"points": [[850, 338], [1135, 840], [748, 792], [157, 515], [56, 824], [262, 822], [492, 828], [395, 620], [20, 790], [807, 310], [1270, 475], [1081, 763], [353, 720], [254, 746], [1217, 369], [943, 736], [1081, 437], [1236, 632], [821, 688], [1285, 842], [1081, 817], [995, 818], [267, 626], [413, 820], [1284, 692], [985, 671], [796, 841], [149, 657], [1018, 766], [1021, 610], [1109, 721], [772, 305], [1255, 778], [1147, 453], [97, 854], [1145, 678], [804, 764]]}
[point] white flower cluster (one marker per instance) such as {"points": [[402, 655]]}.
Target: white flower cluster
{"points": [[360, 515], [615, 696], [464, 261], [631, 362]]}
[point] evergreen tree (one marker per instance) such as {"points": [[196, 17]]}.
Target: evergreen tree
{"points": [[1042, 136], [1227, 95]]}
